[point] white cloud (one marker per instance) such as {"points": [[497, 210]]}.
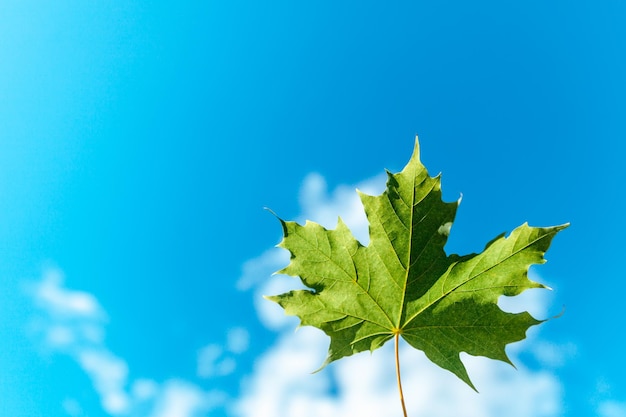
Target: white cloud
{"points": [[282, 378], [69, 318], [212, 361], [324, 208], [364, 384], [72, 323], [179, 398], [50, 295], [271, 260], [109, 375], [553, 355], [218, 360]]}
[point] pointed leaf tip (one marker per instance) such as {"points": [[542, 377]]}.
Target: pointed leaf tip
{"points": [[416, 149]]}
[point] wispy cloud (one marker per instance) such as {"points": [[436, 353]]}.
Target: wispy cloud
{"points": [[109, 375], [364, 384], [324, 207], [72, 323], [219, 360], [212, 361], [180, 398], [68, 318]]}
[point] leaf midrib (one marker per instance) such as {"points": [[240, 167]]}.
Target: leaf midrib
{"points": [[409, 264]]}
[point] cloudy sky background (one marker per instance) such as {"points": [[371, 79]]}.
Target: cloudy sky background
{"points": [[139, 144]]}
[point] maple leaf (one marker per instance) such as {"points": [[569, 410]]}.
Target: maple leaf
{"points": [[404, 284]]}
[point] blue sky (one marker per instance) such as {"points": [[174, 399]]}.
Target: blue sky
{"points": [[139, 144]]}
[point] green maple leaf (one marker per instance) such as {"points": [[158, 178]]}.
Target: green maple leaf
{"points": [[404, 284]]}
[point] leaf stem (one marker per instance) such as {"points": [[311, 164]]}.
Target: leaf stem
{"points": [[396, 342]]}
